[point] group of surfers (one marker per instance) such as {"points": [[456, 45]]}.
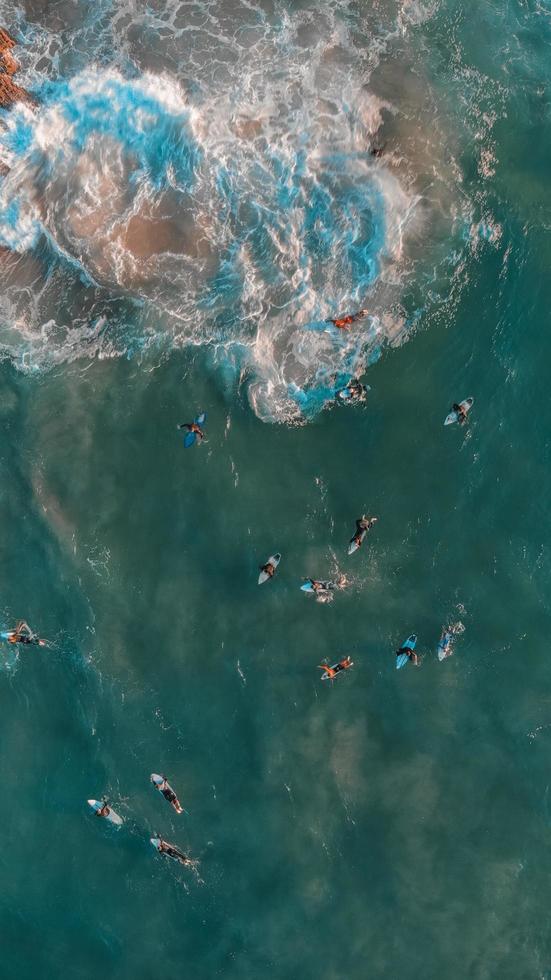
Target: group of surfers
{"points": [[163, 846]]}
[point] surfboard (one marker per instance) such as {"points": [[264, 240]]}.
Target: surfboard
{"points": [[445, 648], [272, 560], [158, 782], [191, 437], [112, 817], [353, 546], [403, 658], [453, 416]]}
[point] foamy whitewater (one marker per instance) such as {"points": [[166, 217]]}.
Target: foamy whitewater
{"points": [[238, 201]]}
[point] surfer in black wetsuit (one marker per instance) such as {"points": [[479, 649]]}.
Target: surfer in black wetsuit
{"points": [[167, 792], [268, 568], [410, 654], [173, 852], [362, 526], [104, 810]]}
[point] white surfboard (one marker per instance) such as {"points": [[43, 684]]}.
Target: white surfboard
{"points": [[467, 404], [272, 560], [112, 817]]}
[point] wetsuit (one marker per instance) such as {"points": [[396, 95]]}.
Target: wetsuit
{"points": [[169, 795]]}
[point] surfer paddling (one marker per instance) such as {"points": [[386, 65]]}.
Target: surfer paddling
{"points": [[345, 322], [330, 672], [410, 654], [173, 852], [461, 412], [164, 787], [24, 634], [363, 525], [193, 427]]}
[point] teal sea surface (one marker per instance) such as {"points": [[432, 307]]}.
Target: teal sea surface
{"points": [[201, 186]]}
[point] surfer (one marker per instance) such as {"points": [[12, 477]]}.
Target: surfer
{"points": [[104, 810], [461, 412], [336, 668], [173, 852], [24, 634], [362, 526], [193, 427], [318, 586], [269, 568], [344, 322], [354, 391], [168, 792], [410, 654]]}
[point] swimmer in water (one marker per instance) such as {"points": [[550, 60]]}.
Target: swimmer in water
{"points": [[331, 672], [24, 634], [344, 322]]}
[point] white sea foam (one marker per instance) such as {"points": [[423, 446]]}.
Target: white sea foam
{"points": [[240, 210]]}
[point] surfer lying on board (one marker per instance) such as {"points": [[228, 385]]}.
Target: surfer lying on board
{"points": [[363, 525], [104, 810], [268, 568], [461, 412], [344, 322], [167, 792], [24, 634], [409, 653], [193, 427], [173, 852], [336, 668]]}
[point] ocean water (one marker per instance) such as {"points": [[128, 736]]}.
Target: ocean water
{"points": [[195, 195]]}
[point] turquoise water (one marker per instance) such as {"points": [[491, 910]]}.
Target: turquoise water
{"points": [[393, 824]]}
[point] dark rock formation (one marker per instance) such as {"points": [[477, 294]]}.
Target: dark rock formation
{"points": [[9, 91]]}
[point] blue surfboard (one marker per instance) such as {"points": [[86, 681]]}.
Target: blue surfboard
{"points": [[403, 658], [191, 437], [5, 634]]}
